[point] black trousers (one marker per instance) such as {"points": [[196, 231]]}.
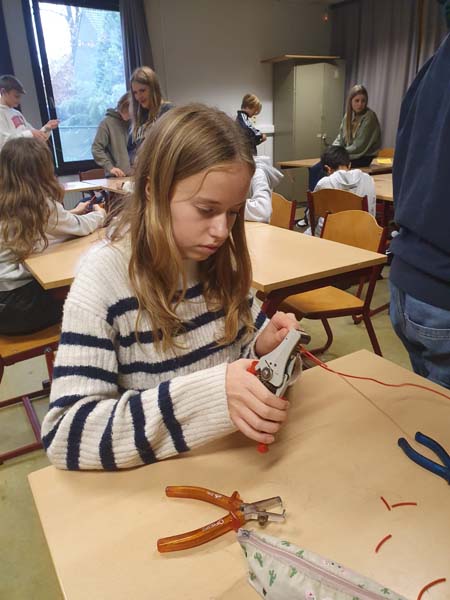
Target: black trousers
{"points": [[27, 309]]}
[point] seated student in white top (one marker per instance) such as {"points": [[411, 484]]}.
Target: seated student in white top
{"points": [[258, 206], [336, 163], [32, 217], [12, 121]]}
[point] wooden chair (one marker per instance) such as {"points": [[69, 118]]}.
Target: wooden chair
{"points": [[330, 201], [14, 349], [354, 228], [92, 174], [283, 212]]}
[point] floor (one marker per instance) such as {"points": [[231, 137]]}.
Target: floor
{"points": [[26, 570]]}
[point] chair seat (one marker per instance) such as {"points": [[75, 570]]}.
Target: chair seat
{"points": [[323, 300], [14, 345]]}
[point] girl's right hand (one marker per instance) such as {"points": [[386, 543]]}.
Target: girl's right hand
{"points": [[255, 411]]}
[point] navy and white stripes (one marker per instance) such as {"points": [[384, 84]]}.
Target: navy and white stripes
{"points": [[116, 403]]}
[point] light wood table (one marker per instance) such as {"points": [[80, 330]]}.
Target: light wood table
{"points": [[383, 187], [56, 266], [284, 262], [374, 168], [331, 463], [80, 186], [110, 184], [287, 262]]}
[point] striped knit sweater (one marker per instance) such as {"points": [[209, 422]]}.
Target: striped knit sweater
{"points": [[115, 403]]}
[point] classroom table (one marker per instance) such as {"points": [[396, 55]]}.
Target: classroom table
{"points": [[287, 262], [383, 187], [55, 267], [331, 463], [81, 186], [110, 184], [284, 262], [376, 166]]}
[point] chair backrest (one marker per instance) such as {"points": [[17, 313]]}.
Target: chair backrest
{"points": [[386, 153], [283, 212], [92, 174], [355, 228], [328, 201]]}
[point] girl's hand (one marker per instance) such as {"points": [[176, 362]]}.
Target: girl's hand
{"points": [[81, 208], [99, 208], [117, 172], [255, 411], [275, 332]]}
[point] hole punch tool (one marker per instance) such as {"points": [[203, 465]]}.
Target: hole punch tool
{"points": [[239, 512], [436, 468], [275, 369]]}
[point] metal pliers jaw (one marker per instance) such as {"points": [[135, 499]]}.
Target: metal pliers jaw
{"points": [[441, 470], [276, 368], [239, 513]]}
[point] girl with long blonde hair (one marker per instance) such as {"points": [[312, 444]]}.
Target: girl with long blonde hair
{"points": [[360, 132], [32, 217], [147, 105], [160, 325]]}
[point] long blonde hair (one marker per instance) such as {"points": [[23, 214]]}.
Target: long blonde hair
{"points": [[185, 141], [142, 116], [27, 183], [356, 90]]}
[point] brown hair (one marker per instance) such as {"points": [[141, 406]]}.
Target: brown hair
{"points": [[356, 90], [9, 82], [27, 183], [141, 116], [123, 102], [252, 102], [185, 141]]}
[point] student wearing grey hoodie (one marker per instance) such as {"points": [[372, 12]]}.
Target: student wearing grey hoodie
{"points": [[109, 147], [335, 161], [259, 203]]}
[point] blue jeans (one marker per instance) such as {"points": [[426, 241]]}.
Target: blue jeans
{"points": [[425, 332]]}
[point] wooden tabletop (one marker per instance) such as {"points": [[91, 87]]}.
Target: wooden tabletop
{"points": [[81, 186], [377, 165], [56, 266], [383, 187], [280, 258], [331, 463], [110, 184]]}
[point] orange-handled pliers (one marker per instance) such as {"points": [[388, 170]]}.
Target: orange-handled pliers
{"points": [[238, 513], [276, 368]]}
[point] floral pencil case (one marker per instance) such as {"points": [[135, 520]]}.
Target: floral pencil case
{"points": [[279, 570]]}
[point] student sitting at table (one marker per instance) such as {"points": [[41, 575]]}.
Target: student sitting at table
{"points": [[250, 107], [335, 162], [32, 217], [109, 147], [259, 204], [159, 325]]}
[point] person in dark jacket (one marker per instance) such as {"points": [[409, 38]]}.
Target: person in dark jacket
{"points": [[109, 147], [420, 272], [250, 107]]}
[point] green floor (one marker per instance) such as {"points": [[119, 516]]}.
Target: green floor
{"points": [[26, 570]]}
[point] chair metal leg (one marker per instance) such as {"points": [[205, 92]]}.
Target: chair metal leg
{"points": [[372, 334], [329, 341]]}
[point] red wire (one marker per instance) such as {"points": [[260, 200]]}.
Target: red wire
{"points": [[381, 542], [427, 587], [395, 385]]}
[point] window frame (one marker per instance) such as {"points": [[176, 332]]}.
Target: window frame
{"points": [[43, 82]]}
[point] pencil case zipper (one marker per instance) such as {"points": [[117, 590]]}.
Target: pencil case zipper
{"points": [[340, 584]]}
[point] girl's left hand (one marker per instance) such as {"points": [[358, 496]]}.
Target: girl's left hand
{"points": [[81, 208], [275, 332]]}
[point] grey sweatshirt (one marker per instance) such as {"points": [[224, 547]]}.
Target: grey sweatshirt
{"points": [[109, 147]]}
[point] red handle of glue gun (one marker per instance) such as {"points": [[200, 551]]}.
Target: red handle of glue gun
{"points": [[263, 448]]}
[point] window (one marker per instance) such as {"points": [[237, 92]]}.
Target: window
{"points": [[78, 69]]}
